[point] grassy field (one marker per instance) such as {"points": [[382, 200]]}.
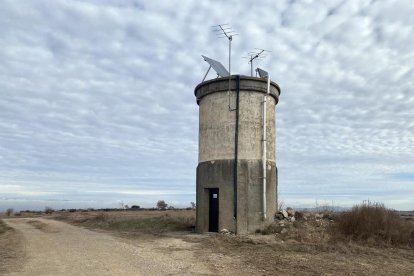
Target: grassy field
{"points": [[154, 222]]}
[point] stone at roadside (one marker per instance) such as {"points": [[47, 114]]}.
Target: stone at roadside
{"points": [[285, 214], [225, 232], [292, 219], [290, 211]]}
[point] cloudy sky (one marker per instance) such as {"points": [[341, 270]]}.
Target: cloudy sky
{"points": [[97, 103]]}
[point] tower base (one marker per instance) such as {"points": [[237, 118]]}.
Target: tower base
{"points": [[216, 200]]}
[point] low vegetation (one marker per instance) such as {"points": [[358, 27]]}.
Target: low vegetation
{"points": [[11, 250], [143, 221], [49, 210], [162, 205], [9, 212], [3, 227], [373, 223], [153, 225]]}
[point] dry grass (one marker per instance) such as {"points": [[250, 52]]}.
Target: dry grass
{"points": [[306, 247], [22, 214], [375, 224], [269, 255], [11, 249], [3, 227], [140, 221]]}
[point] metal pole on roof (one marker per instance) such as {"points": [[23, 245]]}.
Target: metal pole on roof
{"points": [[226, 32]]}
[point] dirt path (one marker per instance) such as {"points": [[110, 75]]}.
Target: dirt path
{"points": [[56, 248]]}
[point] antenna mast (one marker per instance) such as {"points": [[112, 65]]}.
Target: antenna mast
{"points": [[257, 54], [225, 31]]}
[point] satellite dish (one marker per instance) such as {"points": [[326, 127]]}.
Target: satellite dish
{"points": [[217, 66]]}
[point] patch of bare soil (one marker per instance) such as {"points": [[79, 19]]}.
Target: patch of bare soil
{"points": [[11, 249], [77, 251]]}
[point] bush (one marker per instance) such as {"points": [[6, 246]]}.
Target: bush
{"points": [[161, 205], [272, 229], [3, 228], [299, 215], [372, 222], [101, 217], [49, 210], [9, 212]]}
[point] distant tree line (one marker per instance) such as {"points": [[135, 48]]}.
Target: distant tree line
{"points": [[160, 205]]}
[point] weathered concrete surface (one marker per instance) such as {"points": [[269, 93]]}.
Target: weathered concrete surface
{"points": [[219, 174], [216, 153], [217, 123]]}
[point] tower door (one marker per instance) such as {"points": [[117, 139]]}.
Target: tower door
{"points": [[213, 210]]}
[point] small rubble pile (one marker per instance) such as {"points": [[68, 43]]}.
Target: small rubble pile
{"points": [[299, 226], [288, 214], [225, 232]]}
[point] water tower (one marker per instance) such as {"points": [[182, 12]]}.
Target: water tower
{"points": [[236, 172]]}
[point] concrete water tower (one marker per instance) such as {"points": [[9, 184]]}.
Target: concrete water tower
{"points": [[236, 172]]}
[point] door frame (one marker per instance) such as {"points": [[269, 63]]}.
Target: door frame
{"points": [[213, 223]]}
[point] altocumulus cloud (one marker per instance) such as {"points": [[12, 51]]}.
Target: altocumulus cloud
{"points": [[97, 102]]}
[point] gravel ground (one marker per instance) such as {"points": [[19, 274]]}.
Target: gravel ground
{"points": [[56, 248], [47, 247]]}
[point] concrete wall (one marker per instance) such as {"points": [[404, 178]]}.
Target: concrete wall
{"points": [[216, 153], [219, 174]]}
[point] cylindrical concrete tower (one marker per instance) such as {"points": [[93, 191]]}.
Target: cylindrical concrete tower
{"points": [[230, 188]]}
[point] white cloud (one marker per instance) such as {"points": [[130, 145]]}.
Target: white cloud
{"points": [[97, 95]]}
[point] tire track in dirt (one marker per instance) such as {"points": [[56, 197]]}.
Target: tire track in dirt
{"points": [[56, 248]]}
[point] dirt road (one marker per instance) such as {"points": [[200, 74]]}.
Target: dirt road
{"points": [[57, 248]]}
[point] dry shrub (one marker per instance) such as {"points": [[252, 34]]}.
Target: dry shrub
{"points": [[49, 210], [3, 227], [272, 229], [301, 235], [299, 215], [9, 212], [101, 217], [373, 223]]}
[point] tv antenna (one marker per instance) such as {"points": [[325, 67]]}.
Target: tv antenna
{"points": [[258, 54], [225, 31]]}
